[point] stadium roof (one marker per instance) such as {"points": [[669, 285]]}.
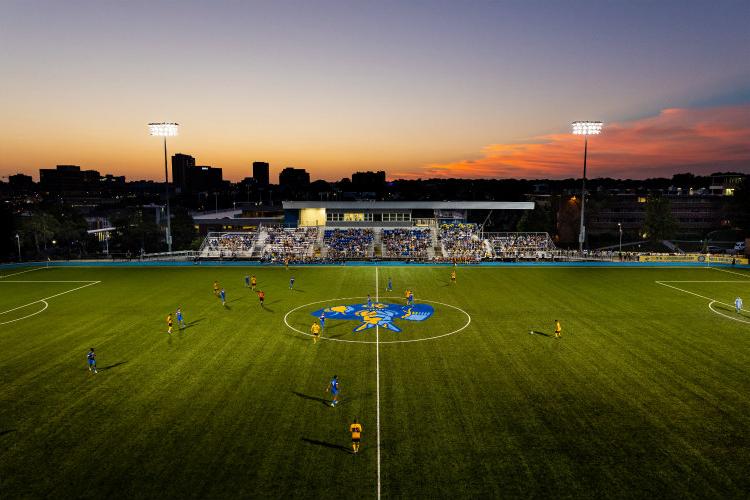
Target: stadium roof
{"points": [[435, 205]]}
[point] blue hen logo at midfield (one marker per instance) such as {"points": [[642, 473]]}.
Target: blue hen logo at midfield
{"points": [[382, 315]]}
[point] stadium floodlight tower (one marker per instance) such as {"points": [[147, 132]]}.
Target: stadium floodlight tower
{"points": [[585, 128], [165, 129]]}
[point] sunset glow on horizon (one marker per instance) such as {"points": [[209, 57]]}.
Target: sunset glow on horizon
{"points": [[418, 89]]}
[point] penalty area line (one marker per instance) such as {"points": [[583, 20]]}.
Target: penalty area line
{"points": [[693, 293], [44, 299], [26, 271], [746, 276]]}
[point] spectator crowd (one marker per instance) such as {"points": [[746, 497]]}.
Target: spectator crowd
{"points": [[229, 245], [348, 243], [462, 242], [289, 244], [407, 243]]}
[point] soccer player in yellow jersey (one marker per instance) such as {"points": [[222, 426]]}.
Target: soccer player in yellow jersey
{"points": [[169, 323], [356, 430], [315, 330], [453, 276], [253, 282], [558, 329], [216, 288], [406, 294]]}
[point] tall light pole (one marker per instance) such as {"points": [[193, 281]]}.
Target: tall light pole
{"points": [[619, 226], [18, 240], [165, 129], [585, 128]]}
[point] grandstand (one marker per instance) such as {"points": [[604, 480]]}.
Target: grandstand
{"points": [[342, 244], [463, 242], [228, 245], [452, 242], [364, 230], [280, 244], [520, 245], [414, 244]]}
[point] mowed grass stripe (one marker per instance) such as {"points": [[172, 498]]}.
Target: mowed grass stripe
{"points": [[645, 394]]}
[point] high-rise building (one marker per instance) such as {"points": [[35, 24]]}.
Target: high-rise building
{"points": [[205, 178], [260, 173], [66, 178], [368, 181], [71, 179], [189, 178], [181, 166], [294, 177], [21, 182]]}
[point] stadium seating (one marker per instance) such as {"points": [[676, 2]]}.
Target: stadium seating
{"points": [[520, 245], [294, 244], [228, 245], [462, 242], [406, 243], [457, 242], [348, 243]]}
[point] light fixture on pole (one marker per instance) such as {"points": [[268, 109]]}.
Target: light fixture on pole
{"points": [[585, 128], [165, 129], [619, 226], [18, 240]]}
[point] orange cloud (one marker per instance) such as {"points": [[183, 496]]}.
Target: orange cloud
{"points": [[699, 140]]}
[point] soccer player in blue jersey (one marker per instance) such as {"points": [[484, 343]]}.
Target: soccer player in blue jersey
{"points": [[410, 298], [178, 315], [333, 386], [291, 282], [369, 301], [223, 297], [389, 288], [247, 281], [737, 305], [91, 357]]}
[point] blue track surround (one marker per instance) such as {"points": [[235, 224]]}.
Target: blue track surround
{"points": [[74, 263]]}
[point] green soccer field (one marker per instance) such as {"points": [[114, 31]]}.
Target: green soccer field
{"points": [[647, 393]]}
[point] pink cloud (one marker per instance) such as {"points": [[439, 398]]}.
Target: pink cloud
{"points": [[699, 140]]}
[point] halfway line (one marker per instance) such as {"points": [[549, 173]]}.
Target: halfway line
{"points": [[377, 378]]}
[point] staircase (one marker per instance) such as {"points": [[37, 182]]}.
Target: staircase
{"points": [[260, 242], [436, 247], [321, 242], [488, 251], [376, 249]]}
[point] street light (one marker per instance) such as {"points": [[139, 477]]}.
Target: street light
{"points": [[165, 129], [619, 226], [585, 128]]}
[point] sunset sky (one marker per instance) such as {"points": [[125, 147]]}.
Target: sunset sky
{"points": [[464, 88]]}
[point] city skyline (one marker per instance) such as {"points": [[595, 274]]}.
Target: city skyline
{"points": [[420, 89]]}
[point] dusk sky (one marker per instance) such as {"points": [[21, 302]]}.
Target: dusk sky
{"points": [[417, 88]]}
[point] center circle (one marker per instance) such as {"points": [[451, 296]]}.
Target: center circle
{"points": [[434, 337]]}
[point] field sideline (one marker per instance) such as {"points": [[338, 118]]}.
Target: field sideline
{"points": [[647, 394]]}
